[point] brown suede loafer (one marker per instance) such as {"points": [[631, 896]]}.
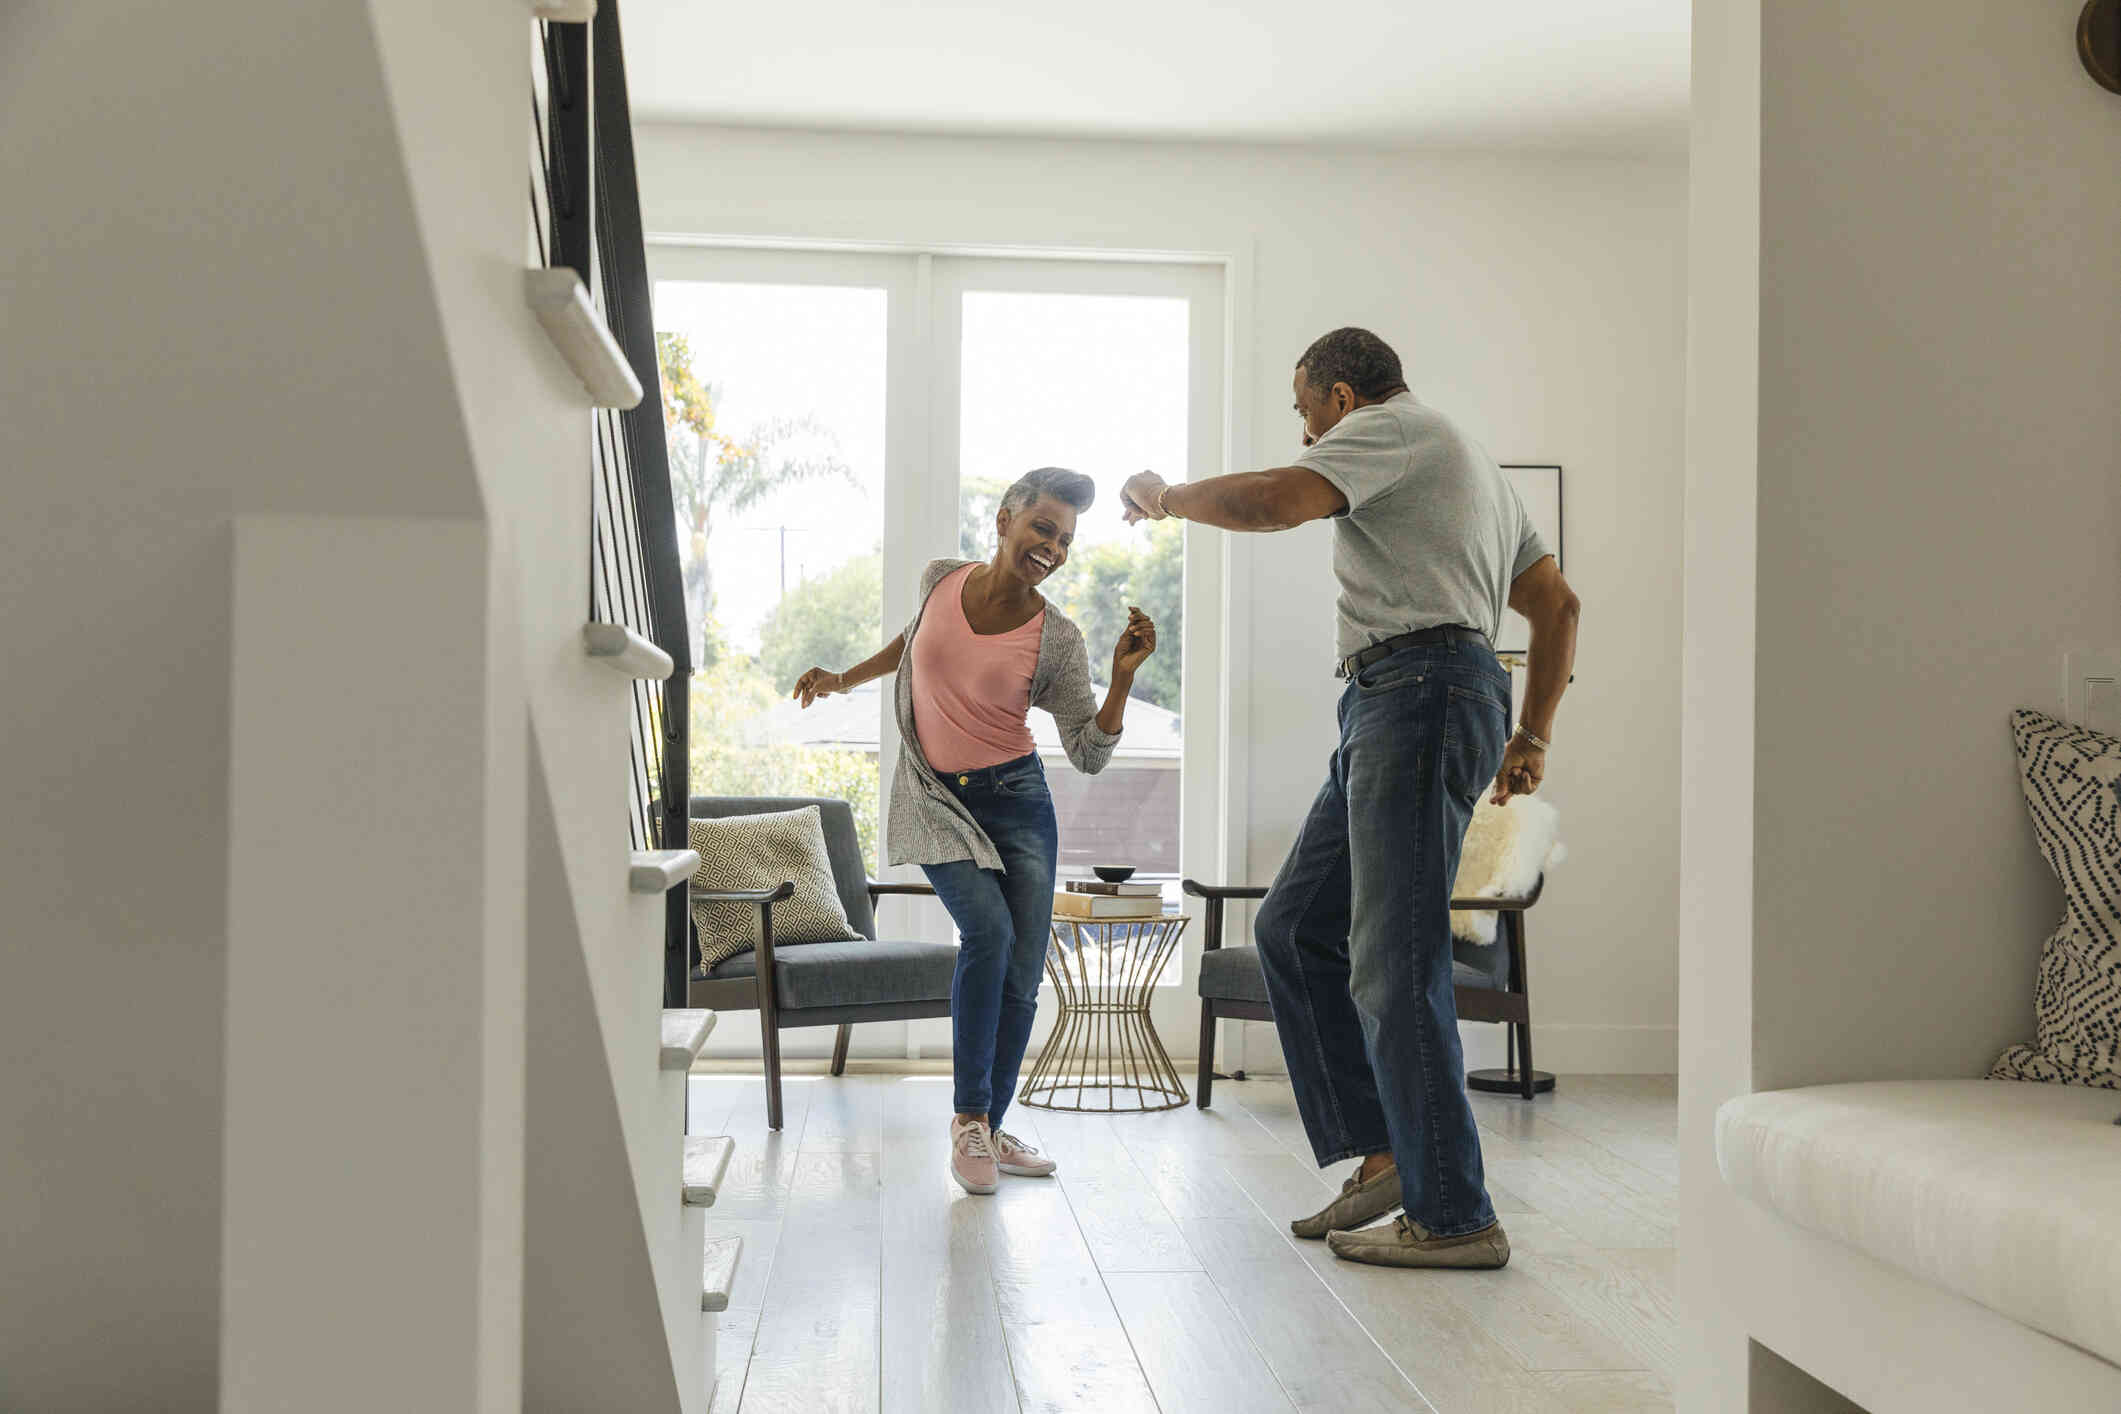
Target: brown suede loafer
{"points": [[1357, 1204], [1407, 1243]]}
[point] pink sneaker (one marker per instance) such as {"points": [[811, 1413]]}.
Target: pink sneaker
{"points": [[1013, 1155], [972, 1155]]}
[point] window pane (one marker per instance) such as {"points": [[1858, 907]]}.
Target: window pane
{"points": [[774, 405], [1096, 383]]}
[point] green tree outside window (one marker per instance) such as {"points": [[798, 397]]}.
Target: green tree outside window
{"points": [[712, 472], [833, 621]]}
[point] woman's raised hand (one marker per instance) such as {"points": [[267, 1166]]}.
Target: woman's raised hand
{"points": [[1136, 642], [815, 684]]}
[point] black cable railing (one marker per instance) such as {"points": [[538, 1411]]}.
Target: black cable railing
{"points": [[586, 211]]}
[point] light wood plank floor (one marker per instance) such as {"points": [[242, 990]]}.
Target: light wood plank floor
{"points": [[1157, 1274]]}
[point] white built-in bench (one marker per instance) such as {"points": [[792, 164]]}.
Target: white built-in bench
{"points": [[2005, 1193]]}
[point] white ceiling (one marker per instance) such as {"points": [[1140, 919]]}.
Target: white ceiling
{"points": [[1601, 75]]}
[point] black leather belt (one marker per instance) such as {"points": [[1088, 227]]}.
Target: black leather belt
{"points": [[1442, 633]]}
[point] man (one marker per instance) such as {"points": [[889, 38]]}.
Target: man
{"points": [[1430, 541]]}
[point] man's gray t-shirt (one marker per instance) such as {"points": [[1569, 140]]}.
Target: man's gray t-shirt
{"points": [[1434, 532]]}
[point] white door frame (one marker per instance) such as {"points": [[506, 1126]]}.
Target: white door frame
{"points": [[924, 287], [1201, 286]]}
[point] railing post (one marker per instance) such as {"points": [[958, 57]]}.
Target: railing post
{"points": [[627, 305], [567, 138], [676, 830]]}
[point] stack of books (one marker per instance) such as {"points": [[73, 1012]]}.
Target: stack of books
{"points": [[1093, 898]]}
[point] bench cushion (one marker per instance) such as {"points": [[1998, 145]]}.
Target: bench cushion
{"points": [[1233, 974], [2006, 1193], [852, 974]]}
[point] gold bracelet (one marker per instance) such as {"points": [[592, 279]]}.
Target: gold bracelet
{"points": [[1527, 734], [1163, 508]]}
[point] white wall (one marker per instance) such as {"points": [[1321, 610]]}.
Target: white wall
{"points": [[114, 864], [1905, 264], [357, 1111], [264, 1012], [294, 501], [214, 306], [1940, 512], [1716, 853], [1537, 299]]}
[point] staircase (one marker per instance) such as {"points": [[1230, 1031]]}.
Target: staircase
{"points": [[349, 731], [642, 1337]]}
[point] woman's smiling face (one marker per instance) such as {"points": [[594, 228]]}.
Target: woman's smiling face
{"points": [[1034, 541]]}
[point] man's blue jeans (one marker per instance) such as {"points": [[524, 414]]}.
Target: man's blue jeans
{"points": [[1004, 921], [1355, 935]]}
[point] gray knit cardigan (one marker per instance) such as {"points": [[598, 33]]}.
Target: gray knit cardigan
{"points": [[929, 825]]}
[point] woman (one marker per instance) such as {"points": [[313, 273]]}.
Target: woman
{"points": [[969, 802]]}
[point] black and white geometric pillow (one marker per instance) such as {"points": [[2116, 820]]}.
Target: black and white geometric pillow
{"points": [[759, 852], [2072, 780]]}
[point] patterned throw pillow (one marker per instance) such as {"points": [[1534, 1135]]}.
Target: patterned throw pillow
{"points": [[759, 852], [2072, 778]]}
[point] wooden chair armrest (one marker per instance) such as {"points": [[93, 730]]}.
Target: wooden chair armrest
{"points": [[1217, 895], [1217, 892], [778, 893], [1500, 905], [880, 888], [765, 899]]}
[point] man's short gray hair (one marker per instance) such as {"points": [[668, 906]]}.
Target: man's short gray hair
{"points": [[1072, 488], [1355, 357]]}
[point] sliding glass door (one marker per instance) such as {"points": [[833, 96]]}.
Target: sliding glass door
{"points": [[843, 418], [775, 373], [1088, 366]]}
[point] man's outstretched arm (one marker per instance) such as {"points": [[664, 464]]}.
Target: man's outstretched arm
{"points": [[1280, 498]]}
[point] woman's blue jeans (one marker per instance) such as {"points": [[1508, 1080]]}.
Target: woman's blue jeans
{"points": [[1355, 935], [1004, 921]]}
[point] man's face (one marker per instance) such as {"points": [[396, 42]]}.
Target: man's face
{"points": [[1321, 410]]}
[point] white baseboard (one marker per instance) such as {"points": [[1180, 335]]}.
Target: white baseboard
{"points": [[1562, 1048], [1591, 1049]]}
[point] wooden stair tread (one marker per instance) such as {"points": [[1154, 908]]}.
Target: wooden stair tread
{"points": [[684, 1032], [706, 1160], [718, 1272], [570, 318], [626, 652], [658, 871]]}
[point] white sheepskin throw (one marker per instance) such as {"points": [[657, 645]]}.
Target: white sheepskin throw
{"points": [[1507, 848]]}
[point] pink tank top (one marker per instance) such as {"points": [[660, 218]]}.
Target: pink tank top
{"points": [[971, 691]]}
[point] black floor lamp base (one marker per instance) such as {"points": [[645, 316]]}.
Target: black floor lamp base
{"points": [[1507, 1082]]}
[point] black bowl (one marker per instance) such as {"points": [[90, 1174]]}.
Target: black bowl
{"points": [[1113, 873]]}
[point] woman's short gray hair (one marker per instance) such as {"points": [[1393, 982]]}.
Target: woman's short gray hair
{"points": [[1069, 487]]}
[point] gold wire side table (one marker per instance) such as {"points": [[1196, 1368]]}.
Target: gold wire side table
{"points": [[1105, 971]]}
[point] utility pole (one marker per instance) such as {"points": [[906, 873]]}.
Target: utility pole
{"points": [[783, 532]]}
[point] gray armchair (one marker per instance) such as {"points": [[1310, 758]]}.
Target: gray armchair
{"points": [[820, 984], [1489, 982]]}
